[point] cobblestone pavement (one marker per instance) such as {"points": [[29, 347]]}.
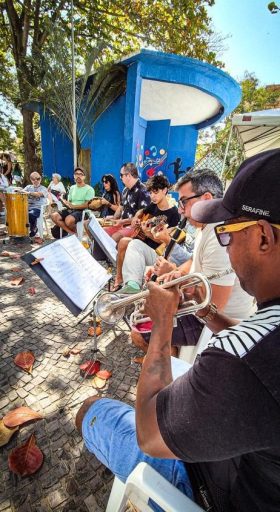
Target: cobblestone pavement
{"points": [[70, 477]]}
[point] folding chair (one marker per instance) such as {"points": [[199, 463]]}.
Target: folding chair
{"points": [[145, 483]]}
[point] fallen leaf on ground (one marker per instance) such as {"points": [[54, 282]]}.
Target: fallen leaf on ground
{"points": [[26, 459], [92, 330], [31, 290], [90, 367], [104, 374], [16, 269], [9, 254], [98, 383], [75, 351], [17, 281], [36, 261], [25, 360], [138, 360], [19, 416], [38, 240], [6, 433]]}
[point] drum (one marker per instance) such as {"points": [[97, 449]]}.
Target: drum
{"points": [[17, 214], [95, 203]]}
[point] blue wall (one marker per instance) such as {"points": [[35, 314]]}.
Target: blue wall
{"points": [[106, 142], [57, 149], [182, 144], [156, 148]]}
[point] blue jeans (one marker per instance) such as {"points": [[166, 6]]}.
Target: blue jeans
{"points": [[109, 432], [34, 214]]}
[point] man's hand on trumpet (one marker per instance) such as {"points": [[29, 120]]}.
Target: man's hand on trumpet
{"points": [[161, 304]]}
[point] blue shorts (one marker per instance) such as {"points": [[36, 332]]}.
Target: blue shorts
{"points": [[109, 432]]}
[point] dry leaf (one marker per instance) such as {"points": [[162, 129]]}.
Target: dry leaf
{"points": [[25, 360], [66, 352], [19, 416], [138, 360], [27, 458], [6, 433], [36, 261], [104, 374], [75, 351], [92, 330], [98, 383], [17, 281], [90, 367], [31, 290], [9, 254]]}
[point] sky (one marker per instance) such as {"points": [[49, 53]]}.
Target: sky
{"points": [[254, 33]]}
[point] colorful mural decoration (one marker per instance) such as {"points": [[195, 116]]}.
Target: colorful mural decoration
{"points": [[153, 162]]}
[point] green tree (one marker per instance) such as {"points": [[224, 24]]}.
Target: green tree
{"points": [[27, 28], [254, 97]]}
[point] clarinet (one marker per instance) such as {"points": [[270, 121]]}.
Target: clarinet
{"points": [[172, 242]]}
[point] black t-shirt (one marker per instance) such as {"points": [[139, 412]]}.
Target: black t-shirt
{"points": [[172, 219], [223, 416]]}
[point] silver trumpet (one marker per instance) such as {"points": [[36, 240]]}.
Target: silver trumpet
{"points": [[110, 307]]}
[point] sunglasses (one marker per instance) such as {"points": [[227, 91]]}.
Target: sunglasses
{"points": [[182, 202], [105, 181], [35, 179], [223, 231]]}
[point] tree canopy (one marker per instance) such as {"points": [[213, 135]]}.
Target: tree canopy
{"points": [[27, 28]]}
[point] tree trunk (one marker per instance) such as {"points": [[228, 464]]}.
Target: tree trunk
{"points": [[31, 159]]}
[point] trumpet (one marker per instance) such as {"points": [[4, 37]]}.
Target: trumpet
{"points": [[111, 308]]}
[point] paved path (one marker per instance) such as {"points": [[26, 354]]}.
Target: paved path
{"points": [[70, 479]]}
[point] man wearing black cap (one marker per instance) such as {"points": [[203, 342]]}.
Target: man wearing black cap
{"points": [[217, 426]]}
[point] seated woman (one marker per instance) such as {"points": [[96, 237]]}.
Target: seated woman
{"points": [[56, 189], [111, 197]]}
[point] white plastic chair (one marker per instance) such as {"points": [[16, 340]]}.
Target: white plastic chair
{"points": [[79, 227], [42, 221], [189, 353], [145, 483]]}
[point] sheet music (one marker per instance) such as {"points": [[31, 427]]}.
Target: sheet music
{"points": [[105, 240], [73, 269]]}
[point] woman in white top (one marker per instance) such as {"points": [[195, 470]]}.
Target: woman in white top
{"points": [[56, 190]]}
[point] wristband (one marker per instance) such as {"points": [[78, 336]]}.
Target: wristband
{"points": [[210, 315]]}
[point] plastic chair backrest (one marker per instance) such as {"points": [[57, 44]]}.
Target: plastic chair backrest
{"points": [[145, 483]]}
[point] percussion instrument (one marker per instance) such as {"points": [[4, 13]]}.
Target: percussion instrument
{"points": [[95, 203], [17, 214]]}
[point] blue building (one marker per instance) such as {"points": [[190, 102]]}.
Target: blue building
{"points": [[155, 123]]}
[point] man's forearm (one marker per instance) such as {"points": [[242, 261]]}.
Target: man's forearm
{"points": [[155, 375]]}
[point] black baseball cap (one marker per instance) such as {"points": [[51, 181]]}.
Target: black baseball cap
{"points": [[254, 192], [79, 169]]}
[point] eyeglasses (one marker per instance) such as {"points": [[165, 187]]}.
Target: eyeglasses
{"points": [[78, 174], [182, 202], [223, 231], [123, 174]]}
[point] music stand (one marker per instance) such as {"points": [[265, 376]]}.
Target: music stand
{"points": [[101, 238]]}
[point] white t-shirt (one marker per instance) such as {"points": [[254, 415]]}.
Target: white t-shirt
{"points": [[59, 187], [210, 257]]}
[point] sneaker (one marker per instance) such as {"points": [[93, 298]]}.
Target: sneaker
{"points": [[129, 288]]}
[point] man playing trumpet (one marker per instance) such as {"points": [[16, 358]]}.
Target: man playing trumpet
{"points": [[214, 431]]}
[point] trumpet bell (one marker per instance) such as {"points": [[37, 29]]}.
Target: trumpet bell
{"points": [[105, 310]]}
